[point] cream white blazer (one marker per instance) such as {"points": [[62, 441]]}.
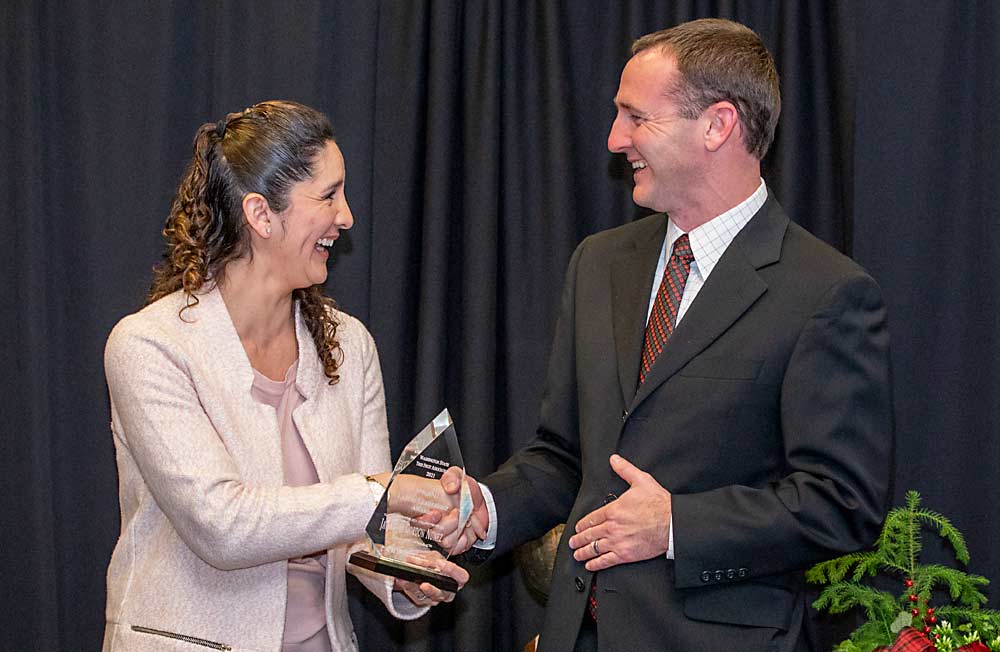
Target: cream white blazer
{"points": [[206, 525]]}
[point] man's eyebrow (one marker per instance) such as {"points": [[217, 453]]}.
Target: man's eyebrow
{"points": [[626, 106]]}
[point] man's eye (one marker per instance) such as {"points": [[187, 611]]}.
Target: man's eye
{"points": [[635, 119]]}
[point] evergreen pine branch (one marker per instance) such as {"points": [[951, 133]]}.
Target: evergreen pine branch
{"points": [[972, 597], [913, 530], [947, 531], [987, 621], [871, 635], [843, 596], [897, 551], [836, 570], [848, 645], [961, 586], [899, 542]]}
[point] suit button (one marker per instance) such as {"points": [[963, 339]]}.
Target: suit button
{"points": [[718, 576], [610, 498], [580, 586], [624, 415], [731, 574], [743, 573], [706, 576]]}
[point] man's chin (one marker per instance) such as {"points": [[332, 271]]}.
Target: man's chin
{"points": [[643, 200]]}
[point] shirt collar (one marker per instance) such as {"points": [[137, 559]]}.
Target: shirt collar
{"points": [[710, 240]]}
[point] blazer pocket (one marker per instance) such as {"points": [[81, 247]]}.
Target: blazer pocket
{"points": [[723, 368], [743, 603], [183, 638]]}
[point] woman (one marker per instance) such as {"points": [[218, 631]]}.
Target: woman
{"points": [[247, 411]]}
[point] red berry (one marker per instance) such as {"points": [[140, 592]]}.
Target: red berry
{"points": [[930, 611], [915, 611], [927, 630], [932, 619], [909, 583], [913, 597]]}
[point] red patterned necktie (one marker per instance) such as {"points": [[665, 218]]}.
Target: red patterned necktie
{"points": [[667, 303], [658, 330]]}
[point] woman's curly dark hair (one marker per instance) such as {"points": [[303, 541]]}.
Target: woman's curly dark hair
{"points": [[265, 149]]}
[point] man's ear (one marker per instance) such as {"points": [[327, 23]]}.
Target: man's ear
{"points": [[723, 123], [257, 213]]}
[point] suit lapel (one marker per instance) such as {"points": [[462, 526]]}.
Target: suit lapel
{"points": [[732, 288], [631, 284]]}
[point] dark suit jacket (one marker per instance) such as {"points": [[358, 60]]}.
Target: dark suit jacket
{"points": [[768, 417]]}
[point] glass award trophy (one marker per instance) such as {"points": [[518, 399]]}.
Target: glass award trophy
{"points": [[416, 522]]}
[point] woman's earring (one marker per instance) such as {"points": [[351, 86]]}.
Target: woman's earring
{"points": [[267, 228]]}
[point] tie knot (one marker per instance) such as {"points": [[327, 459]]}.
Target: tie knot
{"points": [[682, 248]]}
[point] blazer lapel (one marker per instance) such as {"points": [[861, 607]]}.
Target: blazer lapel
{"points": [[321, 416], [732, 288], [631, 284], [226, 346]]}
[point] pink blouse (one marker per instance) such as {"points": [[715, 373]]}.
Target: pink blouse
{"points": [[305, 611]]}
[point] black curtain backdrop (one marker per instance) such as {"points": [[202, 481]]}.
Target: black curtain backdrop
{"points": [[474, 135]]}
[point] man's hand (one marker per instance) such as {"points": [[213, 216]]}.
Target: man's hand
{"points": [[444, 529], [458, 541], [428, 595], [634, 527]]}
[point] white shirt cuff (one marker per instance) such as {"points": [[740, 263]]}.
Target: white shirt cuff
{"points": [[670, 539], [491, 532]]}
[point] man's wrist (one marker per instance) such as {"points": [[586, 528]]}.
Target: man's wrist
{"points": [[490, 541]]}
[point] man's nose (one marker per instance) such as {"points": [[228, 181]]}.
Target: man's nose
{"points": [[618, 137]]}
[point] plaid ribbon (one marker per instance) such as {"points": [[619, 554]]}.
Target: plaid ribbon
{"points": [[911, 639], [908, 640]]}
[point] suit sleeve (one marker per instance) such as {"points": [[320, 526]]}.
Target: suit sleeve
{"points": [[837, 427], [535, 489]]}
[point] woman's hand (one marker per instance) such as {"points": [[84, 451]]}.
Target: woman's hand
{"points": [[414, 496], [428, 595]]}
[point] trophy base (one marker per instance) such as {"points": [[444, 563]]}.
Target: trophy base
{"points": [[404, 571]]}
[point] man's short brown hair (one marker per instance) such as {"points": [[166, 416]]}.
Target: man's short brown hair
{"points": [[720, 60]]}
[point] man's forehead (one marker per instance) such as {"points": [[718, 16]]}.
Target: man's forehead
{"points": [[648, 72]]}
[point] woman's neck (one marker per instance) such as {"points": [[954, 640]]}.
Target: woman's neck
{"points": [[263, 317]]}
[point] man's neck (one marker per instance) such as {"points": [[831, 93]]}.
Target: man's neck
{"points": [[719, 193]]}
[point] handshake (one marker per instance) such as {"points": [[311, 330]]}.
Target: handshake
{"points": [[429, 512], [419, 525]]}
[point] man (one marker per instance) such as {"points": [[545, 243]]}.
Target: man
{"points": [[717, 415]]}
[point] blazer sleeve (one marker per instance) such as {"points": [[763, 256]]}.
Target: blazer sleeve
{"points": [[837, 426], [227, 522]]}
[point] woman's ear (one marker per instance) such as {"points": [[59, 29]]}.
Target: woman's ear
{"points": [[257, 213]]}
